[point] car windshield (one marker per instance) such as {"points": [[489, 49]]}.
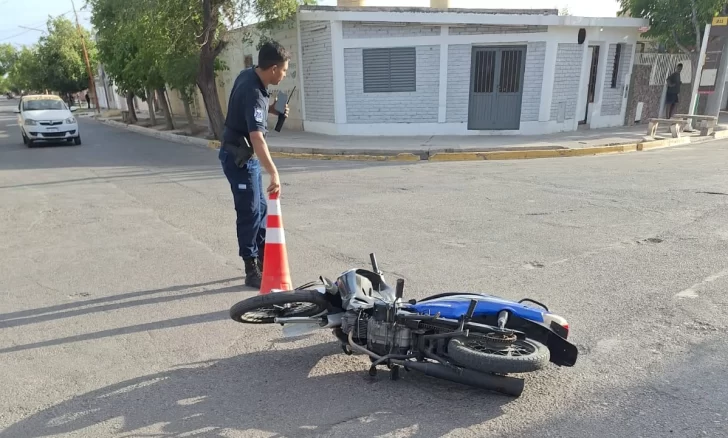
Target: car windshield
{"points": [[45, 104]]}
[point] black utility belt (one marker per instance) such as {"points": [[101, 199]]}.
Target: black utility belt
{"points": [[241, 153]]}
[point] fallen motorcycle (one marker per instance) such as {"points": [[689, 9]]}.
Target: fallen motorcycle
{"points": [[470, 338]]}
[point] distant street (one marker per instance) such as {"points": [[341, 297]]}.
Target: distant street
{"points": [[119, 263]]}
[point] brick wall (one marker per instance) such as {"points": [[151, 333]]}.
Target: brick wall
{"points": [[316, 66], [566, 79], [533, 81], [650, 96], [355, 29], [458, 82], [420, 106], [489, 29], [612, 97]]}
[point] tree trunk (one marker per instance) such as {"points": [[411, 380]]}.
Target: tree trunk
{"points": [[150, 103], [188, 113], [165, 108], [208, 88], [130, 105]]}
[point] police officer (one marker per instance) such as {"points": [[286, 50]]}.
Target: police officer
{"points": [[244, 150]]}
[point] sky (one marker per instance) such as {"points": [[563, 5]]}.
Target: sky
{"points": [[16, 16]]}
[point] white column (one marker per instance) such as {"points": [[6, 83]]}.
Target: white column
{"points": [[339, 74], [547, 86], [299, 73], [444, 47], [583, 85]]}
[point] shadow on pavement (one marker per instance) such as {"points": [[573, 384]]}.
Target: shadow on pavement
{"points": [[149, 326], [115, 306], [76, 304], [269, 392]]}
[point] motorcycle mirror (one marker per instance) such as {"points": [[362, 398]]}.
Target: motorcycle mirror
{"points": [[400, 288]]}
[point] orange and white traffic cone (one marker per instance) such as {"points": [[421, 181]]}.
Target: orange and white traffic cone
{"points": [[276, 274]]}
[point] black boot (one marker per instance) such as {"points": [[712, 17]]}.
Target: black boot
{"points": [[261, 253], [253, 275]]}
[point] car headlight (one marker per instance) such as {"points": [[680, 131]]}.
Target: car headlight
{"points": [[70, 120], [30, 122]]}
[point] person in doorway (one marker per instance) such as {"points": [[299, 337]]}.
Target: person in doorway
{"points": [[244, 150], [673, 89]]}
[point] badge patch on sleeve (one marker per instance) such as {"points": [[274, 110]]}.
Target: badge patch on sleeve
{"points": [[258, 115]]}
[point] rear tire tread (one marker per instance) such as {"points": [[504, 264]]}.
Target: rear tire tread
{"points": [[491, 363]]}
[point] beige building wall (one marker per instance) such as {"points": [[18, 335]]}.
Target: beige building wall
{"points": [[240, 54]]}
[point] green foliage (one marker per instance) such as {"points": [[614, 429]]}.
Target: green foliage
{"points": [[8, 55], [61, 57], [55, 63], [26, 73], [679, 24]]}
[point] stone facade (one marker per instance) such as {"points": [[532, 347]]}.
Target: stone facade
{"points": [[317, 73], [566, 81], [420, 106], [354, 29], [533, 81]]}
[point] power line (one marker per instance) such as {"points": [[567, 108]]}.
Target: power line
{"points": [[26, 31]]}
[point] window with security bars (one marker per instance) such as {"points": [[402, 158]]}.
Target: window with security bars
{"points": [[390, 70]]}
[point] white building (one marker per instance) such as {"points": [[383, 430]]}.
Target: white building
{"points": [[429, 71]]}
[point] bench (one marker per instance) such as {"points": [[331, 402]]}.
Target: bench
{"points": [[676, 126], [707, 123]]}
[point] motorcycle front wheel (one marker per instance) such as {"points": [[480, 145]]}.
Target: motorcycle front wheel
{"points": [[522, 356], [263, 309]]}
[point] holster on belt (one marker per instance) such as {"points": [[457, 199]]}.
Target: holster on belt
{"points": [[241, 153]]}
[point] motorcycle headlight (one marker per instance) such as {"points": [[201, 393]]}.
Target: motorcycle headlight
{"points": [[70, 120], [30, 122]]}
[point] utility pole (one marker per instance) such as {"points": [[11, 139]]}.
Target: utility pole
{"points": [[91, 82]]}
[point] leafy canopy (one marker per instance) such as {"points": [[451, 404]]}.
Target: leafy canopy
{"points": [[678, 24]]}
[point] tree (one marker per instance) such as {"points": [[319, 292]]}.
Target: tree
{"points": [[8, 55], [61, 59], [209, 21], [678, 24], [26, 73]]}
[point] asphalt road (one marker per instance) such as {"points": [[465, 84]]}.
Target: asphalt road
{"points": [[118, 264]]}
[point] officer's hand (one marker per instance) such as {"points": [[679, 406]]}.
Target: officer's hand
{"points": [[275, 184]]}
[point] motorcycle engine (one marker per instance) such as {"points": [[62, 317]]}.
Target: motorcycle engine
{"points": [[384, 336], [356, 322], [378, 332]]}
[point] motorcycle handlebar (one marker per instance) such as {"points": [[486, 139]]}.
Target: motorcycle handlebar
{"points": [[373, 259]]}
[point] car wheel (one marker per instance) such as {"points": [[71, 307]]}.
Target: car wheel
{"points": [[25, 139], [77, 140]]}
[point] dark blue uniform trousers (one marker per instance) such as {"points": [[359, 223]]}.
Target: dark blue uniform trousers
{"points": [[251, 206]]}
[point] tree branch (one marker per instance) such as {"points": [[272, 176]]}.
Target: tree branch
{"points": [[218, 48], [677, 43], [696, 24]]}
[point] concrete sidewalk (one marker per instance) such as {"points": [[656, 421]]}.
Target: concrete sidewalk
{"points": [[298, 144]]}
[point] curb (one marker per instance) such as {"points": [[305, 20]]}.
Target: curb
{"points": [[344, 155]]}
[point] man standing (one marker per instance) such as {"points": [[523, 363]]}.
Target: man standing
{"points": [[673, 89], [244, 150]]}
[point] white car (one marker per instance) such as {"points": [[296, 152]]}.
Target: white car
{"points": [[46, 117]]}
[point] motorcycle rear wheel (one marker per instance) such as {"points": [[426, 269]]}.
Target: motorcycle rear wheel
{"points": [[525, 355], [263, 309]]}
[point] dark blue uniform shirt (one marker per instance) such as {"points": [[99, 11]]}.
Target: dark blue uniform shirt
{"points": [[247, 108]]}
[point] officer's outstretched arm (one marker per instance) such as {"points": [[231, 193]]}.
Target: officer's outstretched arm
{"points": [[261, 150]]}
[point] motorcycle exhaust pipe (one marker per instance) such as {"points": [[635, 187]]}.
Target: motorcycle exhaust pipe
{"points": [[502, 384]]}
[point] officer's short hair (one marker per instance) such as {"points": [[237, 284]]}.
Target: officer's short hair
{"points": [[272, 53]]}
